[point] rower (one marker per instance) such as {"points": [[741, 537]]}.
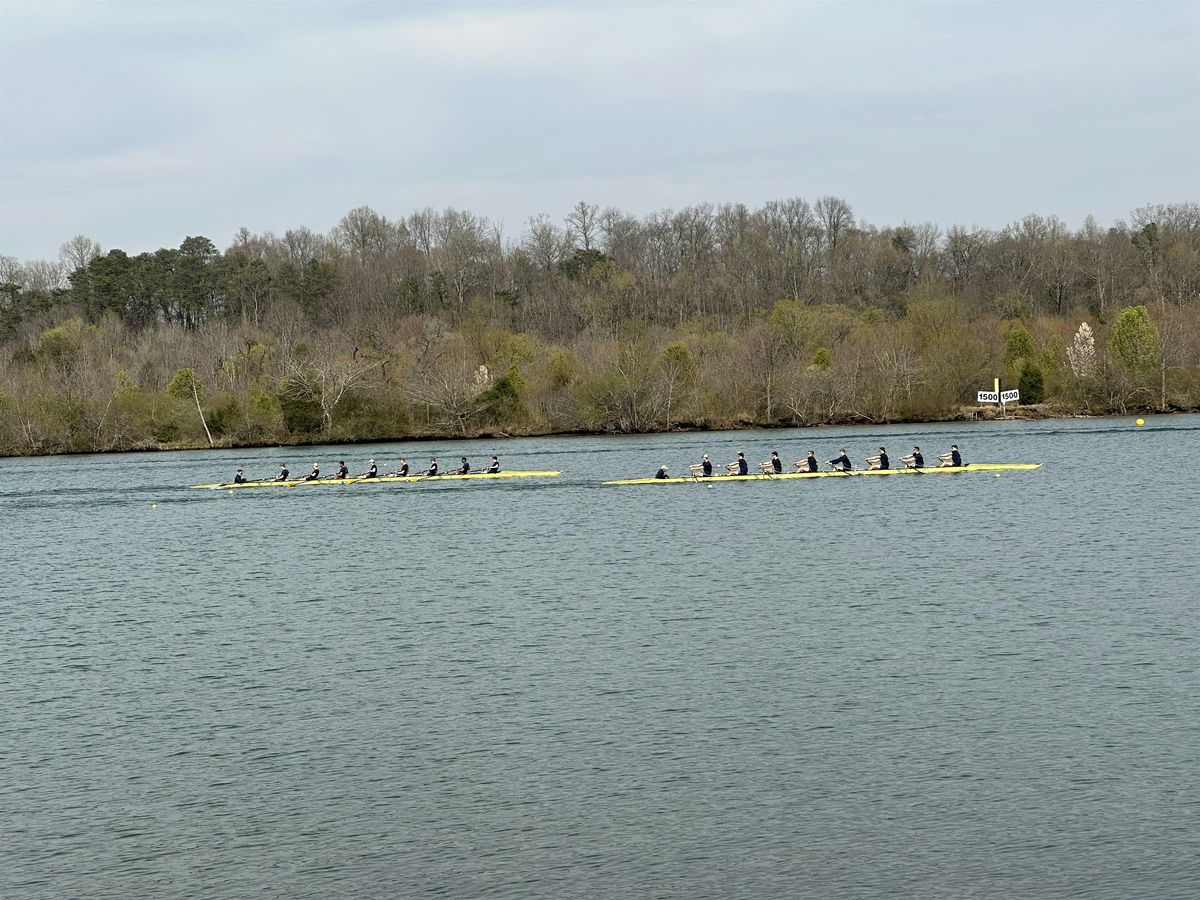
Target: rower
{"points": [[702, 469], [493, 467], [314, 474], [432, 470], [662, 472], [914, 460], [741, 467], [808, 464], [372, 472], [342, 471], [283, 473], [238, 477], [773, 466], [841, 463], [464, 467], [953, 458], [879, 461], [401, 472]]}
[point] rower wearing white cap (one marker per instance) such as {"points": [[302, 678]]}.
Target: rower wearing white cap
{"points": [[314, 474], [372, 471], [662, 472]]}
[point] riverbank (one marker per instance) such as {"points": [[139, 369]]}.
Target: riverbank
{"points": [[965, 414]]}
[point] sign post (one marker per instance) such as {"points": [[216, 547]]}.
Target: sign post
{"points": [[999, 397]]}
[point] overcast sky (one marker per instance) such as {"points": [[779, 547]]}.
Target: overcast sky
{"points": [[138, 124]]}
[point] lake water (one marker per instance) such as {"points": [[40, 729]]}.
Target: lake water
{"points": [[953, 686]]}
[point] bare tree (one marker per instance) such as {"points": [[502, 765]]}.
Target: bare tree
{"points": [[583, 224], [301, 246], [836, 217], [546, 243], [326, 375], [43, 275], [78, 252]]}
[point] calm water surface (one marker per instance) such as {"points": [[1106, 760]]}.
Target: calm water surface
{"points": [[953, 686]]}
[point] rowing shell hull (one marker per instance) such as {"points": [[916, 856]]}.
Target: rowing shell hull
{"points": [[973, 467], [386, 479]]}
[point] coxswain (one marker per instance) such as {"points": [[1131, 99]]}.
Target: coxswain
{"points": [[372, 470], [702, 469], [239, 477], [432, 470], [953, 458], [914, 460], [773, 466], [464, 467], [809, 463], [662, 472], [283, 473], [342, 471], [879, 461], [494, 466], [842, 462], [401, 472], [314, 474], [741, 467]]}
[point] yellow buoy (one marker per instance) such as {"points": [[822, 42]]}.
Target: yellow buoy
{"points": [[154, 506], [1141, 422]]}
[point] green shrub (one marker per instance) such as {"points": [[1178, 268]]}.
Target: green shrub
{"points": [[1032, 384]]}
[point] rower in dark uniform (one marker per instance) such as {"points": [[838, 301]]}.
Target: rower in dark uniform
{"points": [[494, 466], [702, 469], [662, 472], [464, 467], [432, 470], [774, 465], [342, 471], [283, 473], [401, 472], [741, 467], [879, 462], [809, 463], [238, 477], [841, 463], [914, 460], [953, 458], [372, 471], [314, 474]]}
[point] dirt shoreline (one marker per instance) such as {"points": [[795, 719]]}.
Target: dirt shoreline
{"points": [[964, 414]]}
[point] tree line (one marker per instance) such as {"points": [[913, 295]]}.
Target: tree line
{"points": [[709, 317]]}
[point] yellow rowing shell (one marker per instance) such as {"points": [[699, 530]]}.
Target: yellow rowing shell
{"points": [[473, 476], [973, 467]]}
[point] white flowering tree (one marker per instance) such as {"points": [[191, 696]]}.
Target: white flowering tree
{"points": [[1082, 352]]}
